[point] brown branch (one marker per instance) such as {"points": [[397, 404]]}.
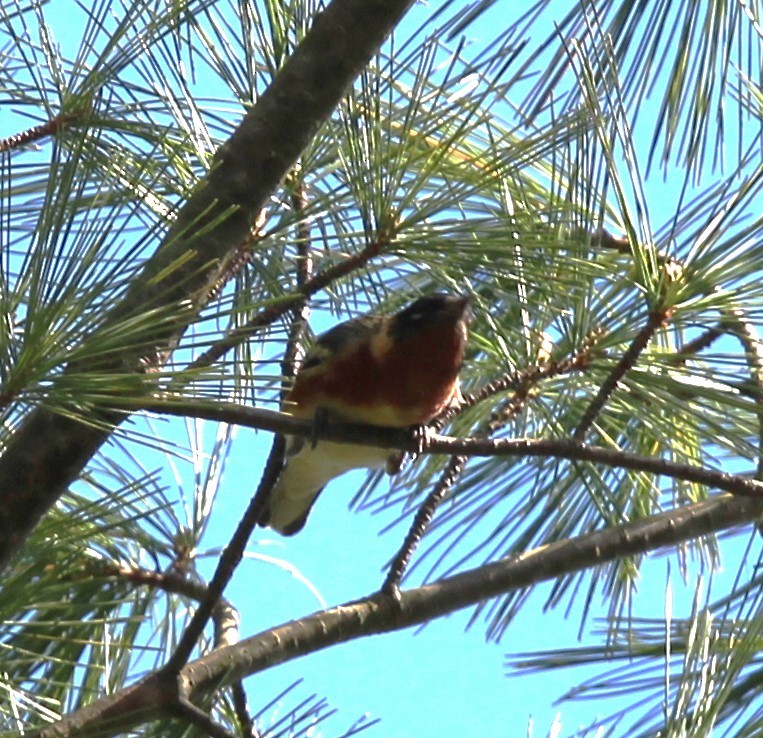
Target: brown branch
{"points": [[225, 616], [376, 614], [48, 450], [626, 363], [700, 343], [167, 581], [620, 244], [525, 378], [292, 355], [270, 314], [606, 240], [404, 440], [49, 128], [420, 523], [186, 710], [490, 580], [732, 322], [241, 708]]}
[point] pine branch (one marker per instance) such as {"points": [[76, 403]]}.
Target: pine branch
{"points": [[420, 524], [404, 440], [185, 710], [230, 559], [378, 613], [43, 130], [48, 450], [292, 302], [626, 363]]}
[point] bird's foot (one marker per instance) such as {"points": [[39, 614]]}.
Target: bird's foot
{"points": [[422, 437]]}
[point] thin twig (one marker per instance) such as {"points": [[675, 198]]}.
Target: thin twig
{"points": [[225, 616], [732, 322], [270, 314], [49, 128], [526, 377], [622, 245], [700, 343], [241, 708], [228, 562], [606, 240], [753, 349], [626, 363], [172, 582], [421, 522], [234, 551]]}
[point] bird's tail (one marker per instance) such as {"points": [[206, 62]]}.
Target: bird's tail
{"points": [[305, 474], [289, 504]]}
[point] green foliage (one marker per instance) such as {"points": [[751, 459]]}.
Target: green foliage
{"points": [[490, 168]]}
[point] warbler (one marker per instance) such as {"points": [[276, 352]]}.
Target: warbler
{"points": [[398, 371]]}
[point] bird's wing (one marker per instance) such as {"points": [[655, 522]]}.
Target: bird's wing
{"points": [[339, 340]]}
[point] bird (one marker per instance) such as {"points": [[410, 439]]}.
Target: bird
{"points": [[398, 370]]}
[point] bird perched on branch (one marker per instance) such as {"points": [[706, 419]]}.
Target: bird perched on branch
{"points": [[399, 370]]}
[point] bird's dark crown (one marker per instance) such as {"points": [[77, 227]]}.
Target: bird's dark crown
{"points": [[427, 310]]}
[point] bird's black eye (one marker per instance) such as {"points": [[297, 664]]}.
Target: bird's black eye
{"points": [[417, 315], [423, 308]]}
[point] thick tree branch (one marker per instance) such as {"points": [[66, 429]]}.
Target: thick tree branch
{"points": [[49, 450], [379, 614]]}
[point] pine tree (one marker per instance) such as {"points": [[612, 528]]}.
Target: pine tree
{"points": [[189, 188]]}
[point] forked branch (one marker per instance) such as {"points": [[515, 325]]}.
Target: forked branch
{"points": [[148, 700]]}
